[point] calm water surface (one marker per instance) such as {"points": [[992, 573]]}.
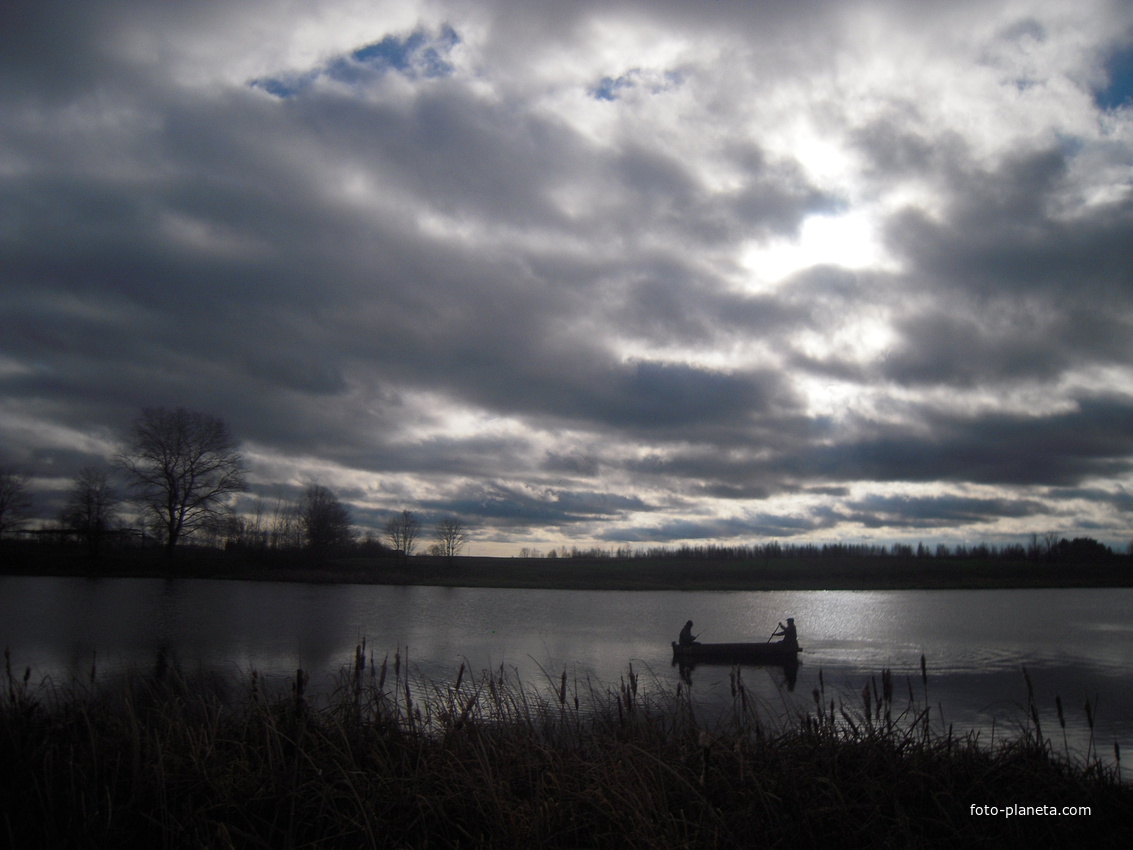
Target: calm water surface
{"points": [[1077, 644]]}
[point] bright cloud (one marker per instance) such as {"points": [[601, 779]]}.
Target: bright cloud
{"points": [[849, 240]]}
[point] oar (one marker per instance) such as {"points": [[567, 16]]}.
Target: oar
{"points": [[769, 639]]}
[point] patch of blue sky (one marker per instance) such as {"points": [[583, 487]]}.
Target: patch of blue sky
{"points": [[1119, 90], [608, 88], [418, 55]]}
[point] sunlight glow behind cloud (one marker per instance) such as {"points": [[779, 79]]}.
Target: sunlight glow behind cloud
{"points": [[848, 240]]}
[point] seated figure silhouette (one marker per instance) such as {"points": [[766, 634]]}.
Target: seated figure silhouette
{"points": [[790, 635]]}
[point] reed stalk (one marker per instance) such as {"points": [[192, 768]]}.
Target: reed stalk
{"points": [[389, 760]]}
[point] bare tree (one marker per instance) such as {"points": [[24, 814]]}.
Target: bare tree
{"points": [[284, 530], [184, 466], [91, 507], [15, 500], [402, 530], [326, 522], [1050, 543], [249, 530], [449, 537]]}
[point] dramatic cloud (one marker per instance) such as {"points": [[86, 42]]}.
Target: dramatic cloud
{"points": [[586, 273]]}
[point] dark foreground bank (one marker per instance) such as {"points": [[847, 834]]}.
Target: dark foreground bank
{"points": [[783, 573], [161, 761]]}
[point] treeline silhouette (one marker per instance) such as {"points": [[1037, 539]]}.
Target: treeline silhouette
{"points": [[1046, 548]]}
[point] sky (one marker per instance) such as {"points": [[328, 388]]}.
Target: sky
{"points": [[586, 273]]}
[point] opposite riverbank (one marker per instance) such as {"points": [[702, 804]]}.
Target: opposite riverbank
{"points": [[786, 573]]}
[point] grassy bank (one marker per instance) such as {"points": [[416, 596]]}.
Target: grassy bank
{"points": [[785, 573], [162, 761]]}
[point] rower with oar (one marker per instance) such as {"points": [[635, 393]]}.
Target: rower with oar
{"points": [[790, 635], [687, 638]]}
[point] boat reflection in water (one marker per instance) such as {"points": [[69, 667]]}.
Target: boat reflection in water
{"points": [[688, 656]]}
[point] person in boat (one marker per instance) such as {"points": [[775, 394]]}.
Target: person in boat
{"points": [[686, 638], [790, 635]]}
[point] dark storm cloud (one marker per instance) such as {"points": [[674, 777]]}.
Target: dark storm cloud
{"points": [[52, 49], [1121, 500], [659, 192], [500, 264], [965, 344], [449, 151], [1004, 287], [515, 507], [951, 345], [935, 511], [1092, 440], [597, 392], [1001, 234], [667, 396]]}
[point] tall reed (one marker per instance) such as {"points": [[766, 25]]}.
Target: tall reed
{"points": [[388, 759]]}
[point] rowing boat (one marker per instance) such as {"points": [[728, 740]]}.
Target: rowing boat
{"points": [[735, 653]]}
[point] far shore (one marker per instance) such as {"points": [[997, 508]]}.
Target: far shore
{"points": [[788, 573]]}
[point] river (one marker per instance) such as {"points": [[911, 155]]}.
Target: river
{"points": [[1076, 644]]}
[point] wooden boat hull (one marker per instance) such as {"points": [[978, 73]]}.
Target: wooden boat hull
{"points": [[735, 653]]}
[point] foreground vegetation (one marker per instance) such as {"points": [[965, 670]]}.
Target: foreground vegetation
{"points": [[162, 760]]}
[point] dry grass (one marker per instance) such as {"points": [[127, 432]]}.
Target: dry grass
{"points": [[165, 760]]}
